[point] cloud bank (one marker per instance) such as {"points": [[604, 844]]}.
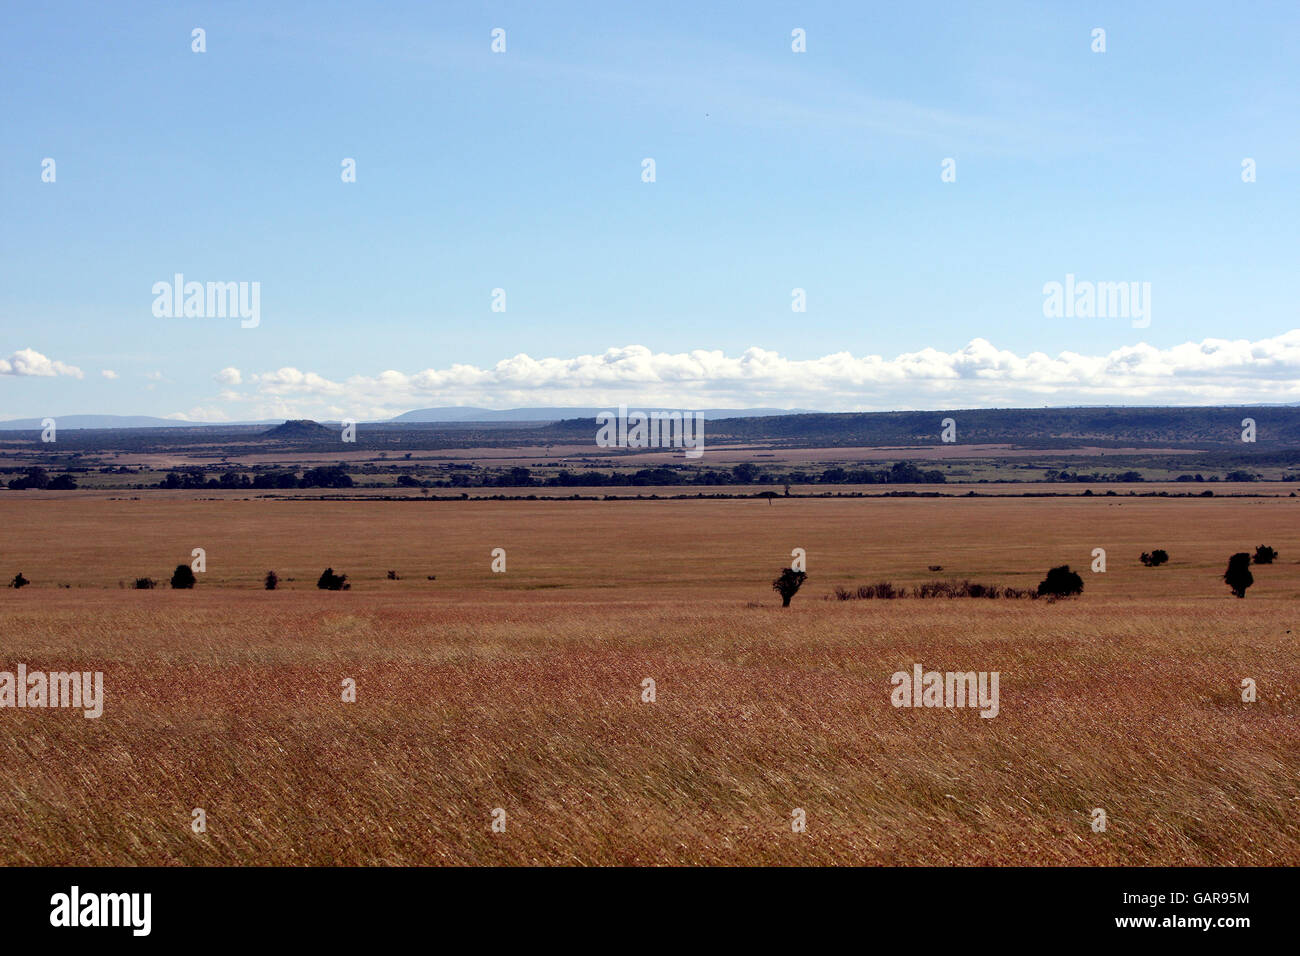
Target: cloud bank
{"points": [[1213, 371]]}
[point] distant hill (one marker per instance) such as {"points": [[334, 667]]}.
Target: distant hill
{"points": [[301, 429], [469, 413], [117, 421], [1025, 427], [94, 421]]}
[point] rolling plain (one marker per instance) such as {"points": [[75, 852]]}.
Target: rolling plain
{"points": [[523, 690]]}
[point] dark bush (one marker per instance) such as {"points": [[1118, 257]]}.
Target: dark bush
{"points": [[144, 584], [1238, 576], [788, 583], [1155, 558], [19, 581], [35, 478], [884, 590], [392, 576], [1265, 555], [329, 581], [183, 577], [881, 589], [1060, 582], [272, 581]]}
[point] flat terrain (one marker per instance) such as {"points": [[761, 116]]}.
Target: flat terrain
{"points": [[522, 690]]}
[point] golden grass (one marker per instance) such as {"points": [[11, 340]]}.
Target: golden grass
{"points": [[522, 690]]}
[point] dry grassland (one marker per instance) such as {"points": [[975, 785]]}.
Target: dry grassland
{"points": [[523, 690]]}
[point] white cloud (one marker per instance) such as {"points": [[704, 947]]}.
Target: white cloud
{"points": [[978, 375], [29, 362], [229, 376], [109, 374]]}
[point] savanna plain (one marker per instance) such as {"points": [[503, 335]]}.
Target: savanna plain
{"points": [[523, 691]]}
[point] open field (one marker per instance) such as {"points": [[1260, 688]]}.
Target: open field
{"points": [[522, 690]]}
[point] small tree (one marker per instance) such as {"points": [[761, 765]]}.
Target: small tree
{"points": [[183, 577], [1155, 558], [144, 584], [1060, 582], [1238, 576], [329, 581], [19, 581], [788, 584], [272, 580], [1265, 555]]}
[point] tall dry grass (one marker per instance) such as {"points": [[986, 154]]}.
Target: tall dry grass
{"points": [[523, 691]]}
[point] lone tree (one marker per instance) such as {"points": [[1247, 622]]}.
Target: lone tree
{"points": [[19, 581], [1060, 582], [183, 577], [1265, 555], [1238, 576], [329, 581], [788, 584], [1155, 558], [272, 580]]}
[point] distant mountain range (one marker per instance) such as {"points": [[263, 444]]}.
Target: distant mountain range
{"points": [[116, 421], [448, 413]]}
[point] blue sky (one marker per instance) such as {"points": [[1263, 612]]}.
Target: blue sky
{"points": [[522, 170]]}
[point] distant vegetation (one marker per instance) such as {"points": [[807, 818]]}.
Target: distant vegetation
{"points": [[1060, 582], [19, 581], [329, 581], [183, 577], [885, 590], [1155, 558], [788, 583], [1238, 576], [1265, 555], [326, 476], [39, 478]]}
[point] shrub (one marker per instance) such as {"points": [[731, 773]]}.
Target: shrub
{"points": [[329, 581], [936, 567], [144, 584], [881, 589], [35, 478], [1265, 555], [392, 576], [932, 589], [787, 584], [272, 581], [1155, 558], [183, 577], [19, 581], [1238, 576], [1060, 582]]}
